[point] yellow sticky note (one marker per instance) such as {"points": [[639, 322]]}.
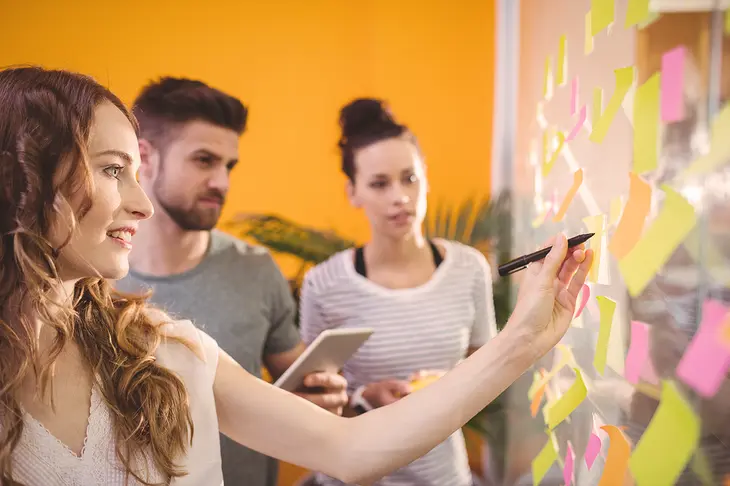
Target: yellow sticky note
{"points": [[606, 309], [624, 80], [597, 105], [719, 148], [548, 83], [589, 36], [646, 258], [727, 22], [566, 357], [617, 459], [548, 166], [570, 400], [577, 181], [544, 461], [646, 125], [675, 423], [602, 14], [617, 206], [637, 12], [595, 224], [562, 72]]}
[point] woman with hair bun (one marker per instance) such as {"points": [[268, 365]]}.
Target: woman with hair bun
{"points": [[100, 389]]}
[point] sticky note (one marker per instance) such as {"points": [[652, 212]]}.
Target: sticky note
{"points": [[565, 357], [570, 400], [544, 461], [675, 423], [646, 125], [577, 181], [602, 14], [585, 294], [547, 167], [578, 125], [672, 90], [638, 353], [726, 480], [562, 71], [592, 450], [727, 22], [597, 105], [617, 206], [548, 84], [706, 360], [630, 226], [624, 79], [574, 95], [568, 475], [719, 148], [637, 12], [536, 400], [596, 224], [646, 258], [589, 36], [617, 459], [606, 309]]}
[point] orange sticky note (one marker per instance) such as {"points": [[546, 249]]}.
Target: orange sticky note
{"points": [[726, 481], [617, 460], [629, 227], [577, 181], [536, 400]]}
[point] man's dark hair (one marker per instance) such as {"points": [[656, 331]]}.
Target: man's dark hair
{"points": [[165, 104]]}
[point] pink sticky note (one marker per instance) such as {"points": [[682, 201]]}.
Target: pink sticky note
{"points": [[576, 129], [568, 468], [574, 96], [707, 360], [672, 79], [585, 294], [592, 450], [638, 353]]}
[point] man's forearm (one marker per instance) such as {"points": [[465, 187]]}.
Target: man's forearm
{"points": [[414, 425]]}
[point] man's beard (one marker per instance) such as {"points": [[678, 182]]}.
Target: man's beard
{"points": [[195, 219]]}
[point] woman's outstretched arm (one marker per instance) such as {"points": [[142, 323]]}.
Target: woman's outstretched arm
{"points": [[367, 447]]}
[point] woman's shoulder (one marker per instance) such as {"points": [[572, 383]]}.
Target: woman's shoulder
{"points": [[462, 253], [332, 271]]}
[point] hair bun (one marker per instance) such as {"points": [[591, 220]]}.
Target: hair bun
{"points": [[365, 116]]}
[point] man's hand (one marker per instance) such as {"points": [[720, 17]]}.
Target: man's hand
{"points": [[386, 392], [327, 390]]}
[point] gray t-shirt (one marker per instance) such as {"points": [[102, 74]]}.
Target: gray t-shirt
{"points": [[237, 295]]}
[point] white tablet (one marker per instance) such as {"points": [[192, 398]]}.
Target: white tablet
{"points": [[328, 352]]}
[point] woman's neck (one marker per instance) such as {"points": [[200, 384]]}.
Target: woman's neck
{"points": [[383, 250]]}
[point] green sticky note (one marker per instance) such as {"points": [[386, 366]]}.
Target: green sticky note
{"points": [[624, 79], [606, 308], [668, 442], [570, 400], [544, 461], [646, 125], [602, 14]]}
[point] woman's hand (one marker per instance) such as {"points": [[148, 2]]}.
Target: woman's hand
{"points": [[386, 392], [547, 296]]}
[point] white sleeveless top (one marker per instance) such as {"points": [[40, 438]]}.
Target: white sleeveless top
{"points": [[42, 460]]}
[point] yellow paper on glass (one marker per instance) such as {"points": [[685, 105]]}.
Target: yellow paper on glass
{"points": [[597, 108], [606, 308], [653, 462], [646, 125], [719, 147], [562, 72], [570, 400], [637, 12], [566, 358], [624, 80], [617, 206], [589, 37], [648, 256], [727, 22], [548, 166], [548, 84], [602, 14], [544, 461], [595, 224]]}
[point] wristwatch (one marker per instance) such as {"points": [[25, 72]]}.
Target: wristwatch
{"points": [[358, 402]]}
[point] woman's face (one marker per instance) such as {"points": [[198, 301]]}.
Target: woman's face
{"points": [[390, 185], [101, 244]]}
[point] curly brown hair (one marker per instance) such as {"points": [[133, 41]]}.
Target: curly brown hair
{"points": [[45, 123]]}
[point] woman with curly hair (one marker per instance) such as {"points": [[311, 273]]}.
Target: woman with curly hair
{"points": [[97, 388]]}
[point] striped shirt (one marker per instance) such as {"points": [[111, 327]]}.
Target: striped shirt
{"points": [[429, 327]]}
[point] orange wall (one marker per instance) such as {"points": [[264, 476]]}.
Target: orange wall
{"points": [[294, 63]]}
